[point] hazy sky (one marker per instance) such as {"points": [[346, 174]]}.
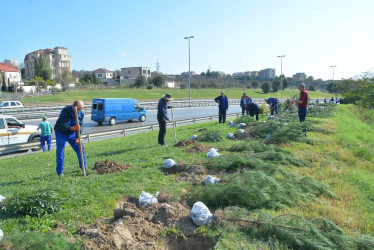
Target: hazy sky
{"points": [[230, 36]]}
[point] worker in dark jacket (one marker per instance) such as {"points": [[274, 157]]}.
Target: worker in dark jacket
{"points": [[254, 109], [274, 103], [223, 106], [66, 131], [162, 117]]}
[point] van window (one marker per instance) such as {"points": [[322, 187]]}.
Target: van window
{"points": [[94, 106], [13, 104], [6, 104], [12, 122], [100, 107], [2, 125]]}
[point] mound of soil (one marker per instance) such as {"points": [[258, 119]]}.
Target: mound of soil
{"points": [[139, 228], [194, 174], [198, 148], [184, 143], [107, 167], [202, 129]]}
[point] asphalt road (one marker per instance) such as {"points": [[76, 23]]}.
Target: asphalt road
{"points": [[179, 114]]}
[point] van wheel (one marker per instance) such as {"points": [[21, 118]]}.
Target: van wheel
{"points": [[142, 118], [112, 121], [99, 123]]}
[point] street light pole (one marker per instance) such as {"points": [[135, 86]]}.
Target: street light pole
{"points": [[333, 67], [281, 57], [189, 67]]}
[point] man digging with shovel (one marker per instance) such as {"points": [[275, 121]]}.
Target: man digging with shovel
{"points": [[67, 129]]}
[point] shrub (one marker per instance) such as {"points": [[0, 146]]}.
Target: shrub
{"points": [[36, 203], [244, 119], [210, 136]]}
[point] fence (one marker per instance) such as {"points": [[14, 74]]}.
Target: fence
{"points": [[6, 149]]}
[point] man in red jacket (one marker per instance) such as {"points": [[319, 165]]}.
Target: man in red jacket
{"points": [[303, 102]]}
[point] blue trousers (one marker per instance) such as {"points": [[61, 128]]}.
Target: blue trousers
{"points": [[302, 114], [43, 139], [61, 140], [222, 115], [274, 107]]}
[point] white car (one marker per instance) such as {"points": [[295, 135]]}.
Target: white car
{"points": [[11, 105], [13, 131]]}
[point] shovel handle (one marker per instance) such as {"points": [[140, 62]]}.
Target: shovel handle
{"points": [[80, 143]]}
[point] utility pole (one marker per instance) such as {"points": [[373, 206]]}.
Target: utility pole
{"points": [[333, 67], [281, 76], [189, 67], [157, 66]]}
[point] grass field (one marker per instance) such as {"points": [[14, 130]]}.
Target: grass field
{"points": [[343, 160], [155, 94]]}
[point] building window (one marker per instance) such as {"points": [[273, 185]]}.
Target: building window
{"points": [[129, 72], [99, 75]]}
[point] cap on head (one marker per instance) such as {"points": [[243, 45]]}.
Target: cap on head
{"points": [[302, 84], [168, 97], [44, 118]]}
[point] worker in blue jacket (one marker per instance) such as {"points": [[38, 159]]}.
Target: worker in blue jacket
{"points": [[244, 101], [223, 106], [274, 103], [162, 117], [66, 131]]}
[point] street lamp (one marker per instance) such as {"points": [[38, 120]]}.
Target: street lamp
{"points": [[281, 57], [189, 67], [333, 67]]}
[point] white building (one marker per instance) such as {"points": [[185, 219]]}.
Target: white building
{"points": [[103, 74], [134, 72], [10, 74]]}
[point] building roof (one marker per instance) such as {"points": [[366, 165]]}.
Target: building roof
{"points": [[8, 68], [102, 70]]}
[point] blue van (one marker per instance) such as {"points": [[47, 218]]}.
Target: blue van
{"points": [[116, 109]]}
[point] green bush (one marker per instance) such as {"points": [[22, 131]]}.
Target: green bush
{"points": [[255, 189], [33, 204], [244, 119], [210, 136]]}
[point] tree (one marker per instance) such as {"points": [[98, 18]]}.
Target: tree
{"points": [[39, 81], [159, 81], [3, 83], [312, 88], [140, 81], [310, 79], [285, 83], [276, 84], [255, 84], [330, 87], [42, 68], [265, 87]]}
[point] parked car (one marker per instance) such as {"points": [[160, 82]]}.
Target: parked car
{"points": [[112, 110], [13, 131], [11, 105]]}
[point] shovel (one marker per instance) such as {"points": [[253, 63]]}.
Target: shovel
{"points": [[80, 143], [175, 132]]}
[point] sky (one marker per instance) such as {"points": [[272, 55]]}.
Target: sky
{"points": [[229, 35]]}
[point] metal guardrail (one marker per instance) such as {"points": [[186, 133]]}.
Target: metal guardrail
{"points": [[6, 149]]}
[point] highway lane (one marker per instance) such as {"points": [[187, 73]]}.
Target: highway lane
{"points": [[90, 126]]}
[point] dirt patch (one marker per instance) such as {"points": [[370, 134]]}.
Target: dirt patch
{"points": [[198, 148], [107, 167], [184, 143], [141, 228], [202, 129], [194, 174]]}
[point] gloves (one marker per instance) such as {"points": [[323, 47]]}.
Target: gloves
{"points": [[75, 128], [77, 141]]}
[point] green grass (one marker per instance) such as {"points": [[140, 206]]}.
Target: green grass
{"points": [[155, 94], [333, 160]]}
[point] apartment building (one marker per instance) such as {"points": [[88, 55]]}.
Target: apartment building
{"points": [[266, 75], [11, 62], [58, 60], [299, 77], [134, 72]]}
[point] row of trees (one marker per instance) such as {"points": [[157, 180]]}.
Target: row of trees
{"points": [[360, 92], [142, 81]]}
